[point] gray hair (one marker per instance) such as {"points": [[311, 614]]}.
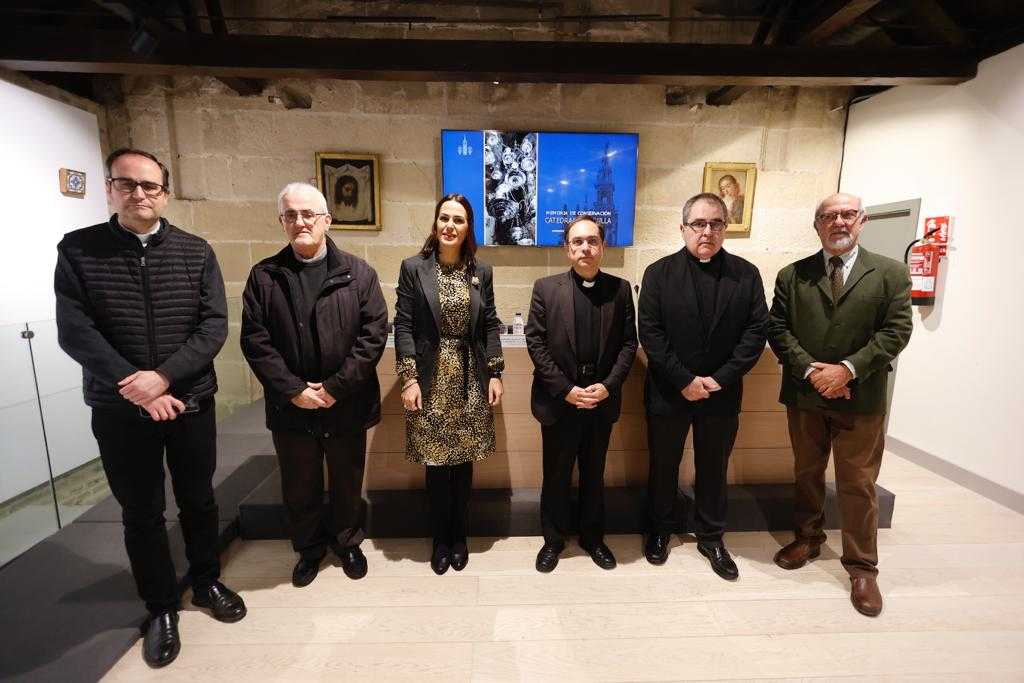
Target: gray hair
{"points": [[300, 188], [704, 197]]}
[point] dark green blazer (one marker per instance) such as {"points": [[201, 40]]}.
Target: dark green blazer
{"points": [[869, 325]]}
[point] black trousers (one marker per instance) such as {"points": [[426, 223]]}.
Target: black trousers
{"points": [[580, 438], [132, 451], [448, 488], [713, 439], [301, 457]]}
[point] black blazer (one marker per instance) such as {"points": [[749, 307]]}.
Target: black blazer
{"points": [[418, 319], [352, 326], [551, 341], [679, 347]]}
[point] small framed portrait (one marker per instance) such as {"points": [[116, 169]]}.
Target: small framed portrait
{"points": [[351, 184], [72, 183], [734, 183]]}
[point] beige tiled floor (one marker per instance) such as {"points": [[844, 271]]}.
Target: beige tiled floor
{"points": [[952, 574]]}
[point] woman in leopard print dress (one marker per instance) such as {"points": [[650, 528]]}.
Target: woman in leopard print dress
{"points": [[449, 363]]}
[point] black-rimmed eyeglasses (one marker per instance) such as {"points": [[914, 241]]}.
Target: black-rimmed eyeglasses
{"points": [[700, 226], [128, 185]]}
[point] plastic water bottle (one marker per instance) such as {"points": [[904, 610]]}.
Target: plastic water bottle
{"points": [[518, 324]]}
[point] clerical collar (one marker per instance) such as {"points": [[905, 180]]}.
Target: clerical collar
{"points": [[143, 237], [704, 261], [320, 255], [583, 281]]}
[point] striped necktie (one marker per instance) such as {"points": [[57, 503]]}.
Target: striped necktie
{"points": [[836, 276]]}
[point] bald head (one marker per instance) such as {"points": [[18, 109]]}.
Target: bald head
{"points": [[838, 197], [838, 221]]}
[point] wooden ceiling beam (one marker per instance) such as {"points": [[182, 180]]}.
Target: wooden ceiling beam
{"points": [[767, 34], [257, 56], [833, 17]]}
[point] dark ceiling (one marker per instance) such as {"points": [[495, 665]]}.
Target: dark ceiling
{"points": [[722, 45]]}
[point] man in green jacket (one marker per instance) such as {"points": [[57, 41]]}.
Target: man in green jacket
{"points": [[838, 319]]}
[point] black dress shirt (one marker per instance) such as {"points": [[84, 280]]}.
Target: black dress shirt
{"points": [[311, 278]]}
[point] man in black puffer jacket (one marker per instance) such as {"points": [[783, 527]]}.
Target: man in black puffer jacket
{"points": [[140, 304]]}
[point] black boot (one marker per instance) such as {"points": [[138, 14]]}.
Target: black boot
{"points": [[441, 559]]}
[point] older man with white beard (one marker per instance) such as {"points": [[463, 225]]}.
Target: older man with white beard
{"points": [[838, 319]]}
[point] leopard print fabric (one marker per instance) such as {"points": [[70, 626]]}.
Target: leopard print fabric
{"points": [[456, 424]]}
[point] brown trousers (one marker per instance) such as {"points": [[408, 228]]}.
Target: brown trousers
{"points": [[857, 439]]}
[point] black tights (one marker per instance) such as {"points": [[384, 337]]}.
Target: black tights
{"points": [[448, 488]]}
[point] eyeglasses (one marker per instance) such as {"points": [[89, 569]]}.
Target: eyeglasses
{"points": [[698, 227], [127, 186], [292, 216], [848, 216], [577, 242]]}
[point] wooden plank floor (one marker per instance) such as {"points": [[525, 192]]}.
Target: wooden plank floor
{"points": [[952, 572]]}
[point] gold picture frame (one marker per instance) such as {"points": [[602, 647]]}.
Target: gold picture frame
{"points": [[357, 176], [737, 191]]}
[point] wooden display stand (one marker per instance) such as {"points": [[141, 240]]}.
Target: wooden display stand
{"points": [[762, 454], [506, 486]]}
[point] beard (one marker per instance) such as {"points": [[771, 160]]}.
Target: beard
{"points": [[840, 241]]}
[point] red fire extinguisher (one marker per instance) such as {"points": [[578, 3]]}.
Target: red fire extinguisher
{"points": [[924, 260]]}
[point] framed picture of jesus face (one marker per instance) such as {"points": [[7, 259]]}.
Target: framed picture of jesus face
{"points": [[351, 184], [734, 183]]}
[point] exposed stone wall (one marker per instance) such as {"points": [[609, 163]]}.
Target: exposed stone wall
{"points": [[230, 155]]}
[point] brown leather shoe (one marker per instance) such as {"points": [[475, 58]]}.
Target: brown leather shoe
{"points": [[797, 554], [865, 596]]}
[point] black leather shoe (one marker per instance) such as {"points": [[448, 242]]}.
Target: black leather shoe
{"points": [[459, 556], [161, 643], [601, 555], [547, 558], [353, 561], [720, 561], [656, 548], [305, 571], [225, 604], [441, 559]]}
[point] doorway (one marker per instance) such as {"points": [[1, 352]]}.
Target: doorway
{"points": [[888, 231]]}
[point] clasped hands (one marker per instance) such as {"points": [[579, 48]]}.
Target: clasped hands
{"points": [[830, 380], [148, 390], [313, 396], [412, 396], [700, 388], [587, 398]]}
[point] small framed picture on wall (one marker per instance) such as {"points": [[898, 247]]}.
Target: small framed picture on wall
{"points": [[351, 184], [734, 183]]}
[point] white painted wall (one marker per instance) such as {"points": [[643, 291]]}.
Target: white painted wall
{"points": [[960, 385], [38, 136]]}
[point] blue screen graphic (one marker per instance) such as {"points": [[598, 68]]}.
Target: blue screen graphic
{"points": [[524, 186]]}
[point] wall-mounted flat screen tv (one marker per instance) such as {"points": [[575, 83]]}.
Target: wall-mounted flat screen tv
{"points": [[526, 185]]}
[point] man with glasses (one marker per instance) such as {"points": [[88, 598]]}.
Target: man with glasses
{"points": [[140, 304], [581, 337], [702, 317], [838, 319], [314, 325]]}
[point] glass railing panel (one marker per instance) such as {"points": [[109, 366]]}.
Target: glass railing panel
{"points": [[27, 511], [79, 480]]}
